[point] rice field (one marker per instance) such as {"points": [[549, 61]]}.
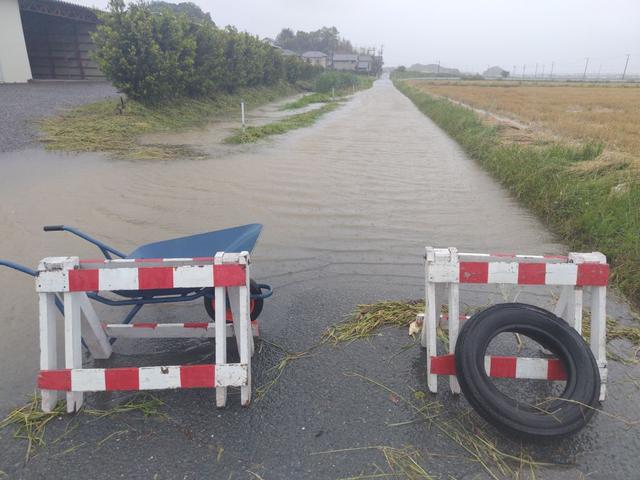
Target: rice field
{"points": [[607, 114]]}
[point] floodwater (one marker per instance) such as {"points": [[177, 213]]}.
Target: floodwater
{"points": [[361, 193], [348, 206]]}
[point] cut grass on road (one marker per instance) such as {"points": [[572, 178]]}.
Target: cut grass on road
{"points": [[293, 122], [591, 204], [106, 127], [309, 99]]}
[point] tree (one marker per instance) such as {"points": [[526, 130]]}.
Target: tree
{"points": [[155, 57], [191, 10], [326, 39]]}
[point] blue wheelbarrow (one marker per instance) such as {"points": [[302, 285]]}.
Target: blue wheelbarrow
{"points": [[230, 240]]}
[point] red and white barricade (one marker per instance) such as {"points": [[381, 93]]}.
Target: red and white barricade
{"points": [[573, 273], [227, 273]]}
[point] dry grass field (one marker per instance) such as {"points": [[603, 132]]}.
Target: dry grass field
{"points": [[586, 113]]}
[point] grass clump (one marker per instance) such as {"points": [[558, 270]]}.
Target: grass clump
{"points": [[367, 319], [293, 122], [589, 210], [113, 126]]}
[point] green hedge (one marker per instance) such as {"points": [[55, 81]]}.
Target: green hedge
{"points": [[589, 210], [340, 81], [156, 57]]}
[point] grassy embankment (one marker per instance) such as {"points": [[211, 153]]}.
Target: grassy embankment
{"points": [[253, 134], [582, 187], [106, 127]]}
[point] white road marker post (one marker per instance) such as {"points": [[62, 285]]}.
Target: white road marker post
{"points": [[242, 114]]}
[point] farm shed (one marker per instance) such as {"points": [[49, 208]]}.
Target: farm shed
{"points": [[46, 39]]}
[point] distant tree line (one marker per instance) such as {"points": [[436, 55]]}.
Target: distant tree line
{"points": [[190, 9], [326, 40], [155, 57]]}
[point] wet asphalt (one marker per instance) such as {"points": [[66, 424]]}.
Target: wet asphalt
{"points": [[328, 414]]}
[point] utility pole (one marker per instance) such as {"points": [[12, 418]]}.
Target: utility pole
{"points": [[438, 71], [586, 64], [551, 73], [524, 67], [535, 75], [514, 71], [625, 66], [543, 66]]}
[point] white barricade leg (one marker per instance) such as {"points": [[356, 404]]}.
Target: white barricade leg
{"points": [[560, 309], [599, 334], [72, 344], [574, 309], [48, 345], [429, 334], [239, 298], [454, 326], [221, 337], [94, 336]]}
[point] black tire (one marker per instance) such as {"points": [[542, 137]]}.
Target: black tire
{"points": [[571, 411], [258, 303]]}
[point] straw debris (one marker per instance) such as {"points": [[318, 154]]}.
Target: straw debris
{"points": [[278, 369], [367, 319], [480, 447], [30, 422]]}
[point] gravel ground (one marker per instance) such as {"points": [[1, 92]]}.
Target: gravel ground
{"points": [[21, 104]]}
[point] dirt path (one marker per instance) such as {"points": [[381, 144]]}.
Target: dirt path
{"points": [[348, 206]]}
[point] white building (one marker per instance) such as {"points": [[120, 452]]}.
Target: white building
{"points": [[46, 39], [14, 62], [315, 58]]}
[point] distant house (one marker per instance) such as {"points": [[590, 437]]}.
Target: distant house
{"points": [[495, 72], [435, 69], [345, 61], [365, 63], [315, 58]]}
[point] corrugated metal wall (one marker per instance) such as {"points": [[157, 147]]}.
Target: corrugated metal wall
{"points": [[59, 48]]}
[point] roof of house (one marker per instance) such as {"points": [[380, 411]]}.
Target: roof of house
{"points": [[314, 54], [494, 71], [345, 57], [365, 58]]}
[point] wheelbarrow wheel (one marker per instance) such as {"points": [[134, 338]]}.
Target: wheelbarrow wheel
{"points": [[565, 413], [255, 304]]}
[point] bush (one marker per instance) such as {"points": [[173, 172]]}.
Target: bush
{"points": [[338, 80], [156, 57]]}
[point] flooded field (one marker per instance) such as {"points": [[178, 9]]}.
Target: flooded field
{"points": [[348, 206]]}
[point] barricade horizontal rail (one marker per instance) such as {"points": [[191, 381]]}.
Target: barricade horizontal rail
{"points": [[226, 274], [143, 378], [574, 273], [169, 330]]}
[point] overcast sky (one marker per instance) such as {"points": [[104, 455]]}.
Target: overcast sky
{"points": [[467, 34]]}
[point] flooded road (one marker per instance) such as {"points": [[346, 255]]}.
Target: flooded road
{"points": [[348, 206]]}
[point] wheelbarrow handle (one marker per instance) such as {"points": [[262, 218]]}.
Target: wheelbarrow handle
{"points": [[261, 295], [105, 249]]}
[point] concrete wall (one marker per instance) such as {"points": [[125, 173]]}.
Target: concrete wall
{"points": [[14, 62]]}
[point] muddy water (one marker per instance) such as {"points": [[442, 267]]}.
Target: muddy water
{"points": [[355, 197]]}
